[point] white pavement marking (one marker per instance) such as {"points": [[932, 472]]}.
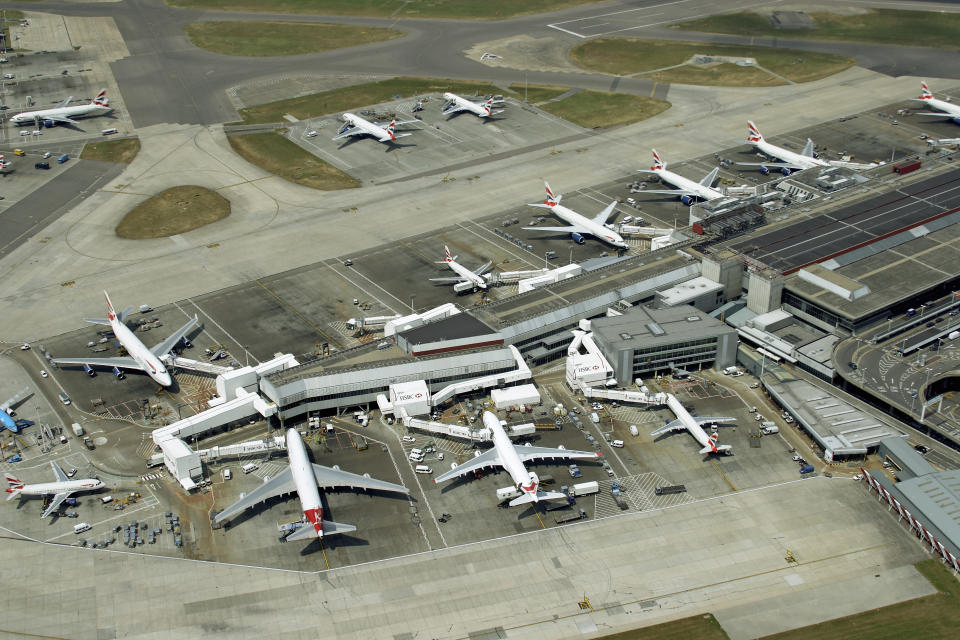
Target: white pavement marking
{"points": [[331, 263], [217, 324]]}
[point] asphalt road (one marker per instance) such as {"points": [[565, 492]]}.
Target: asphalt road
{"points": [[44, 205], [168, 80]]}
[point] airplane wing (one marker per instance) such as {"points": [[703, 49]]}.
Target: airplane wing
{"points": [[808, 149], [528, 454], [775, 165], [602, 217], [710, 177], [23, 393], [483, 461], [164, 347], [675, 425], [120, 362], [328, 478], [56, 502], [396, 135], [58, 472], [712, 419], [397, 123], [349, 131], [672, 192], [56, 118], [453, 107], [282, 483], [445, 279], [64, 103], [558, 229], [479, 270]]}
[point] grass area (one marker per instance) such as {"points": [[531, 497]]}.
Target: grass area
{"points": [[537, 92], [882, 26], [281, 38], [703, 627], [176, 210], [593, 109], [276, 154], [627, 56], [124, 150], [460, 9], [935, 616], [338, 100]]}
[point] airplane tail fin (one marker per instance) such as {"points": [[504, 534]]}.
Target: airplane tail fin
{"points": [[658, 162], [113, 314], [14, 493], [925, 93], [101, 99], [552, 199], [753, 134], [13, 482], [447, 256]]}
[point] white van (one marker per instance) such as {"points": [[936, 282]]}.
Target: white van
{"points": [[422, 468], [415, 457], [80, 528], [617, 443], [247, 468], [416, 452], [595, 417], [107, 132], [106, 499], [227, 474]]}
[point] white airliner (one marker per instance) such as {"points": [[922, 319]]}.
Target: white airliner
{"points": [[466, 279], [303, 477], [791, 160], [686, 422], [357, 126], [62, 489], [140, 357], [63, 113], [455, 104], [687, 189], [511, 457], [4, 164], [580, 225], [948, 109]]}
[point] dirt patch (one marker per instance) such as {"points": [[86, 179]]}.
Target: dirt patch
{"points": [[176, 210]]}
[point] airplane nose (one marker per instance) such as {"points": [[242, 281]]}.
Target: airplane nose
{"points": [[165, 379]]}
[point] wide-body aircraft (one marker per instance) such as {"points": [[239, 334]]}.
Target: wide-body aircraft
{"points": [[303, 478], [687, 422], [946, 109], [62, 489], [511, 457], [686, 188], [63, 113], [580, 226], [357, 126], [788, 161], [456, 104], [139, 356]]}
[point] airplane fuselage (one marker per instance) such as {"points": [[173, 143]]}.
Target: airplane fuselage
{"points": [[474, 108], [7, 422], [948, 108], [598, 231], [53, 488], [524, 480], [786, 155], [150, 363], [366, 126], [76, 111], [686, 184], [305, 481], [466, 274]]}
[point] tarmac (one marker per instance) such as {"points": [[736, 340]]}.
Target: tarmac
{"points": [[729, 556]]}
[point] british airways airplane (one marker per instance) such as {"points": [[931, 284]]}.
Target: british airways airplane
{"points": [[580, 226], [456, 104], [947, 109], [357, 126], [64, 114], [140, 357], [62, 489], [466, 279], [687, 189]]}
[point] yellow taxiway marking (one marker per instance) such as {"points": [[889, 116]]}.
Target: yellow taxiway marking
{"points": [[724, 475], [323, 551]]}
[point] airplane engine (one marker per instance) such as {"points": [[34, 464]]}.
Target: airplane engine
{"points": [[579, 239], [816, 155], [687, 200], [187, 343], [89, 370], [48, 124], [118, 374], [785, 171], [765, 171]]}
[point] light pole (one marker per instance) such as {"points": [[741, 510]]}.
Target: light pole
{"points": [[412, 295]]}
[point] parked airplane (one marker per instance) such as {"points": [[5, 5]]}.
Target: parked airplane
{"points": [[466, 279], [357, 126], [62, 489], [511, 457], [790, 160], [7, 412], [63, 113], [687, 189], [140, 357], [455, 104], [947, 109], [687, 422], [580, 225], [4, 164], [303, 477]]}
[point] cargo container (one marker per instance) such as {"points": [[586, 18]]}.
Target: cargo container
{"points": [[507, 493], [585, 488], [662, 490], [906, 167]]}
